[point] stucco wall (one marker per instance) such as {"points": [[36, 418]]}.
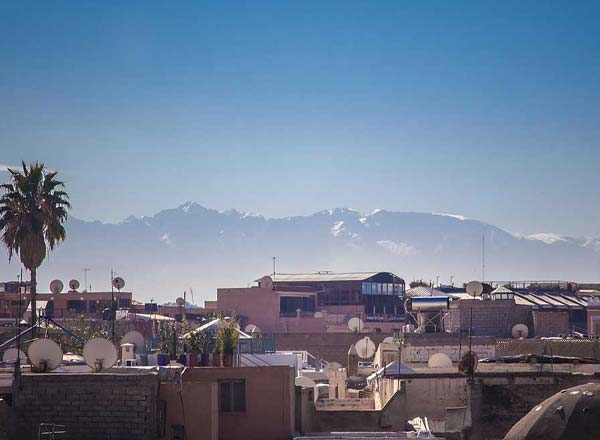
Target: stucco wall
{"points": [[194, 405], [269, 401]]}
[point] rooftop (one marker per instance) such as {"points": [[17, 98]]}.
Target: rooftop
{"points": [[324, 276]]}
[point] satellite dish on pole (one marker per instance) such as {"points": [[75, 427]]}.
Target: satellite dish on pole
{"points": [[474, 288], [468, 363], [44, 354], [73, 284], [136, 338], [180, 301], [356, 325], [99, 354], [118, 283], [56, 286], [520, 331], [252, 329], [365, 348], [10, 356], [304, 382]]}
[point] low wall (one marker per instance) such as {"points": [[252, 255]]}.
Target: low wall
{"points": [[417, 348], [587, 348], [92, 406]]}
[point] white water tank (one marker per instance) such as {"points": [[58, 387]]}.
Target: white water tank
{"points": [[127, 352]]}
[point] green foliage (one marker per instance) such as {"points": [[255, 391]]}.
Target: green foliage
{"points": [[84, 329], [227, 337]]}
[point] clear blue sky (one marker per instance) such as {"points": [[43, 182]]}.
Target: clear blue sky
{"points": [[486, 109]]}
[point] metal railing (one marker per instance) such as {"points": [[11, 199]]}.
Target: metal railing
{"points": [[49, 431], [263, 344]]}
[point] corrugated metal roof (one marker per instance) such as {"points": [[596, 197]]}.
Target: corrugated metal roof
{"points": [[502, 289], [322, 277], [424, 291], [522, 301]]}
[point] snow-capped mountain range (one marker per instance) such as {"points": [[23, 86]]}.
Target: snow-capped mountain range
{"points": [[193, 246]]}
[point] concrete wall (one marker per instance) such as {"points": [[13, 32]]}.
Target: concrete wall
{"points": [[490, 318], [194, 405], [91, 406], [417, 348], [561, 347], [270, 401]]}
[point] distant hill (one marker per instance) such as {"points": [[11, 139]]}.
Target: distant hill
{"points": [[193, 246]]}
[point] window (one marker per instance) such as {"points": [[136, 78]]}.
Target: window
{"points": [[232, 396]]}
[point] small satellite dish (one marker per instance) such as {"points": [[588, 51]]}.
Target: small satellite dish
{"points": [[99, 354], [56, 286], [44, 354], [365, 348], [356, 325], [474, 288], [136, 338], [252, 329], [439, 360], [118, 283], [73, 284], [520, 331], [10, 356], [304, 382], [333, 366], [389, 340], [468, 363], [180, 301]]}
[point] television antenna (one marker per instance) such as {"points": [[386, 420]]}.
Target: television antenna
{"points": [[520, 331], [118, 283], [44, 354], [73, 284], [252, 329], [99, 354], [474, 288]]}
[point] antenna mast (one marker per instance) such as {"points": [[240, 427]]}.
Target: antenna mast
{"points": [[274, 272], [483, 258]]}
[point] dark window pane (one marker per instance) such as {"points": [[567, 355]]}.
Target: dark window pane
{"points": [[239, 396], [224, 397]]}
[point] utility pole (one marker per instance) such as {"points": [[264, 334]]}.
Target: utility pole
{"points": [[85, 285], [274, 272]]}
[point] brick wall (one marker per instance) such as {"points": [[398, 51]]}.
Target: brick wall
{"points": [[91, 406], [490, 318], [550, 323]]}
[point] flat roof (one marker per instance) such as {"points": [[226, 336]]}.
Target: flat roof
{"points": [[325, 276]]}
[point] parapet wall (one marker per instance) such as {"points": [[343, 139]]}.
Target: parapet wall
{"points": [[93, 406]]}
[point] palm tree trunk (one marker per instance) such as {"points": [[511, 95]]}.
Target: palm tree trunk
{"points": [[33, 300]]}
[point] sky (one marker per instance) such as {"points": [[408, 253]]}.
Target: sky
{"points": [[485, 109]]}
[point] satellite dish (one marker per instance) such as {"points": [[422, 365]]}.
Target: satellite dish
{"points": [[439, 360], [118, 283], [304, 382], [44, 354], [474, 288], [10, 356], [365, 348], [136, 338], [252, 328], [179, 301], [520, 331], [389, 340], [356, 325], [333, 366], [56, 286], [468, 363], [99, 354], [73, 284]]}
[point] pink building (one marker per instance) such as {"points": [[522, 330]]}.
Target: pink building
{"points": [[317, 302]]}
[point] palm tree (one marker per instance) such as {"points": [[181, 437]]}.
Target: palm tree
{"points": [[33, 210]]}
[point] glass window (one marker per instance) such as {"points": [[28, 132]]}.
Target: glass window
{"points": [[232, 396]]}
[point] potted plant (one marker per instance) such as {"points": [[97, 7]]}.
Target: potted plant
{"points": [[228, 339], [205, 342], [164, 336], [193, 342]]}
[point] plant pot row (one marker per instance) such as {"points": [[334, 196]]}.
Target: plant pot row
{"points": [[195, 359]]}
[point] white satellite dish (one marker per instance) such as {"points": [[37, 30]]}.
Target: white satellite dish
{"points": [[252, 328], [73, 284], [356, 325], [333, 366], [474, 288], [389, 340], [520, 331], [99, 354], [10, 356], [136, 338], [365, 348], [44, 354], [56, 286], [439, 360], [304, 382], [118, 283]]}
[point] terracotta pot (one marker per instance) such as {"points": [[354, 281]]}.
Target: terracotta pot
{"points": [[182, 359], [228, 360], [205, 359], [216, 360], [192, 360]]}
